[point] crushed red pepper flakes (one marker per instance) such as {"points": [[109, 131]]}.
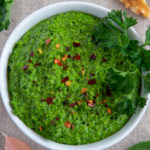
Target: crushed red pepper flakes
{"points": [[104, 101], [108, 91], [68, 83], [57, 46], [67, 124], [49, 100], [65, 102], [85, 94], [104, 60], [56, 61], [53, 122], [57, 118], [25, 67], [97, 95], [69, 95], [40, 128], [65, 67], [64, 58], [109, 111], [72, 126], [90, 103], [67, 48], [92, 82], [30, 61], [72, 105], [92, 74], [69, 56], [64, 79], [37, 64], [83, 90], [79, 102], [72, 111], [121, 62], [76, 44], [32, 54], [48, 41], [77, 57], [106, 105], [93, 57], [60, 64]]}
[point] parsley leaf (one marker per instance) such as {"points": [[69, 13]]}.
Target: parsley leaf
{"points": [[5, 7], [141, 146], [147, 40], [121, 19], [119, 81], [147, 83], [126, 83]]}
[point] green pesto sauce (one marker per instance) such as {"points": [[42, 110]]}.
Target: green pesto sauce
{"points": [[28, 87]]}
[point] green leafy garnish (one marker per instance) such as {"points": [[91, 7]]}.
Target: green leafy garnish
{"points": [[112, 33], [141, 146], [5, 7]]}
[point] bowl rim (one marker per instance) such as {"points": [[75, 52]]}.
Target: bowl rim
{"points": [[105, 143]]}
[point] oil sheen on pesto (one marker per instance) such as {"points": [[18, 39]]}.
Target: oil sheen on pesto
{"points": [[42, 79]]}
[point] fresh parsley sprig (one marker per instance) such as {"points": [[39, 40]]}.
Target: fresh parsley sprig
{"points": [[112, 32], [5, 7]]}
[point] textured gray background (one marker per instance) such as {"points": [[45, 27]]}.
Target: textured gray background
{"points": [[23, 8]]}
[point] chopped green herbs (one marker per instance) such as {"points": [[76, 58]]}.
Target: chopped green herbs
{"points": [[68, 84]]}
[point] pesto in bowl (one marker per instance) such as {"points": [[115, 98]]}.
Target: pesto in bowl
{"points": [[56, 81]]}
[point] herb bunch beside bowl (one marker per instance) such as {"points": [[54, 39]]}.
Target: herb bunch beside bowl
{"points": [[5, 8]]}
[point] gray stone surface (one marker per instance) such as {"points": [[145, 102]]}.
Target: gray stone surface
{"points": [[23, 8]]}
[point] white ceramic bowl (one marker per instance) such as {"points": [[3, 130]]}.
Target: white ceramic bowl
{"points": [[24, 26]]}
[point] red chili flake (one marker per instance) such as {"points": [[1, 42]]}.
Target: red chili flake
{"points": [[65, 67], [65, 102], [67, 48], [57, 118], [48, 41], [40, 128], [53, 122], [106, 105], [72, 126], [109, 111], [31, 54], [60, 64], [64, 80], [43, 100], [85, 93], [108, 91], [92, 82], [72, 105], [92, 74], [103, 101], [25, 67], [50, 100], [93, 57], [77, 57], [37, 64], [90, 103], [104, 60], [76, 44], [121, 62], [30, 61], [69, 56], [69, 95], [68, 124], [97, 95]]}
